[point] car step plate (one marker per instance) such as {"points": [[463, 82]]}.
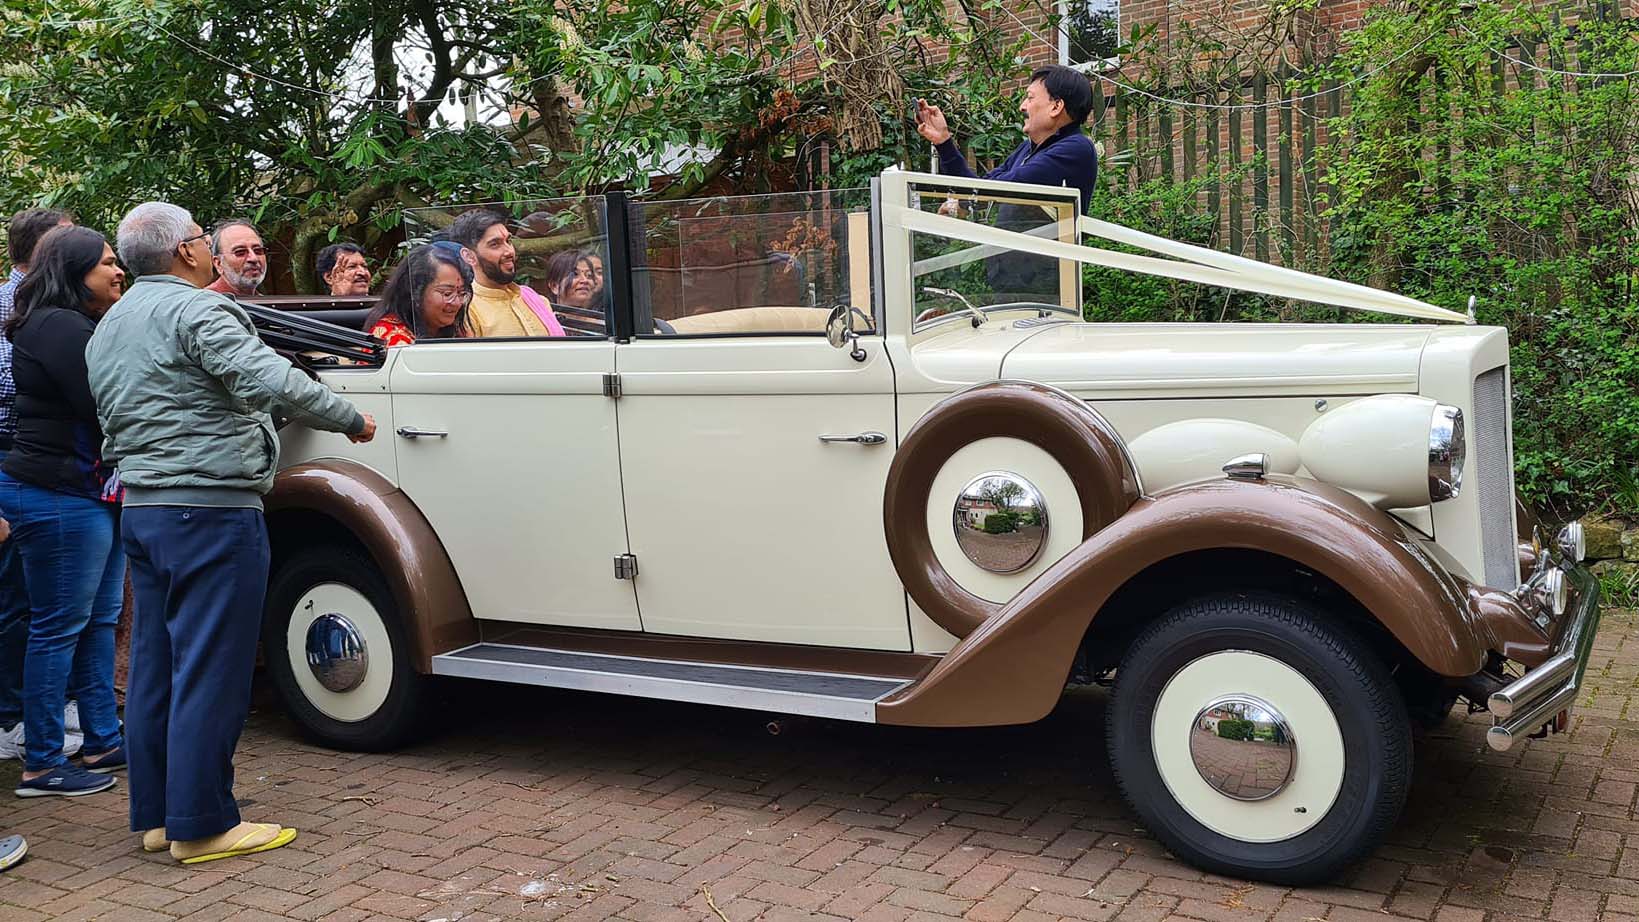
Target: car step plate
{"points": [[787, 691]]}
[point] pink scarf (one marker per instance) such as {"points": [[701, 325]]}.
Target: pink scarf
{"points": [[543, 310]]}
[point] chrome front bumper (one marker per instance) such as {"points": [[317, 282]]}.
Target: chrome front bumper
{"points": [[1538, 697]]}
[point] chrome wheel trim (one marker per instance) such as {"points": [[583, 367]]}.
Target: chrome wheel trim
{"points": [[1240, 768], [1314, 782], [1006, 493], [336, 653], [368, 691]]}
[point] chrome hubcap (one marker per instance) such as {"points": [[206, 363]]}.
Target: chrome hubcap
{"points": [[336, 653], [1243, 747]]}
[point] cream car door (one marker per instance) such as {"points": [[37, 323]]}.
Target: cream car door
{"points": [[744, 522], [509, 448]]}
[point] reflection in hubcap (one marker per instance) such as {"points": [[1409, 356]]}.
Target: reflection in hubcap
{"points": [[1000, 521], [336, 653], [1243, 747]]}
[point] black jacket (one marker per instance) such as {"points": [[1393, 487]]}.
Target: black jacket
{"points": [[59, 443]]}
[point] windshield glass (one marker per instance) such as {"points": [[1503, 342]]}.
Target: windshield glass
{"points": [[950, 274]]}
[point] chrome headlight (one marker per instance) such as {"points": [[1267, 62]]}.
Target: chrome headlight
{"points": [[1572, 545], [1447, 450], [1547, 592]]}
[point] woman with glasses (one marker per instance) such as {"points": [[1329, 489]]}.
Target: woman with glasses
{"points": [[426, 298]]}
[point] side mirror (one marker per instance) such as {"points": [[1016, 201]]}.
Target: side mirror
{"points": [[840, 332]]}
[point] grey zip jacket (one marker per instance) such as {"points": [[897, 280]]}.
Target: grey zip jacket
{"points": [[184, 390]]}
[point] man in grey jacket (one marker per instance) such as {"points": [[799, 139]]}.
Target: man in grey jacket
{"points": [[184, 391]]}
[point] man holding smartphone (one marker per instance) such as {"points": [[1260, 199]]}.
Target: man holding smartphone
{"points": [[1055, 152]]}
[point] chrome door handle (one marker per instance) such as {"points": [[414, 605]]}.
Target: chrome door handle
{"points": [[411, 432], [864, 438]]}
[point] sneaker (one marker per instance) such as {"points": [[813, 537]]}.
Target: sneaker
{"points": [[12, 742], [71, 718], [12, 850], [64, 781], [111, 762]]}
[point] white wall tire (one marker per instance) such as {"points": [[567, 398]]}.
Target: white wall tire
{"points": [[1317, 774], [359, 702], [380, 710], [1352, 737]]}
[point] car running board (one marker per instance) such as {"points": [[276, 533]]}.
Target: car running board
{"points": [[786, 691]]}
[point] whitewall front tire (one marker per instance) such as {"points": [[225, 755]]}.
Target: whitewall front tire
{"points": [[1259, 737]]}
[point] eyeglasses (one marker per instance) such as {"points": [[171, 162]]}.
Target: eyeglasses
{"points": [[199, 236], [452, 295]]}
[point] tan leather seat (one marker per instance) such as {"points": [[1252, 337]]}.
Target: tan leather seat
{"points": [[755, 320]]}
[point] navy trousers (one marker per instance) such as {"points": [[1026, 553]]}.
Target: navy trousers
{"points": [[199, 575]]}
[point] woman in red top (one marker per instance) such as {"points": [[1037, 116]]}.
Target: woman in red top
{"points": [[426, 298]]}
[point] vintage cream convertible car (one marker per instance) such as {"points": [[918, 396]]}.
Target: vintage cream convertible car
{"points": [[857, 456]]}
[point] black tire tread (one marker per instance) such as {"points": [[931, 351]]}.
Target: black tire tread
{"points": [[397, 722], [1352, 659]]}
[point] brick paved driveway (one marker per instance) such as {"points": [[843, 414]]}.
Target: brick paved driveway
{"points": [[555, 805]]}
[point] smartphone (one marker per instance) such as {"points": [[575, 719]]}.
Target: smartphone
{"points": [[916, 111]]}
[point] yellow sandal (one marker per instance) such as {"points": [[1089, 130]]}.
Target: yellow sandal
{"points": [[261, 837]]}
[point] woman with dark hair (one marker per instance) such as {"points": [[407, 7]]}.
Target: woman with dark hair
{"points": [[63, 504], [571, 279], [426, 298]]}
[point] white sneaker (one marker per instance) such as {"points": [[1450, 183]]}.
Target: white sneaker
{"points": [[71, 718], [11, 742]]}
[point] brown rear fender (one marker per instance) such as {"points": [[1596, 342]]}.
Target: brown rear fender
{"points": [[382, 519], [1013, 667]]}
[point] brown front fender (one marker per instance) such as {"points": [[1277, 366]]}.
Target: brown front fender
{"points": [[1012, 668], [399, 539]]}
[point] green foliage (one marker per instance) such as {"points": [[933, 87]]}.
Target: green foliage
{"points": [[1454, 173], [1000, 523], [1233, 729], [1468, 175]]}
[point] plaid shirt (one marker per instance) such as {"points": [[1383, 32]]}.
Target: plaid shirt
{"points": [[8, 387]]}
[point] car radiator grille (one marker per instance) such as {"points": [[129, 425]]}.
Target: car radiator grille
{"points": [[1494, 478]]}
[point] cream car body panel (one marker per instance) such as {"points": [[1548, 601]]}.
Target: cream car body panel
{"points": [[745, 524], [1474, 525], [1119, 360], [367, 389], [524, 490]]}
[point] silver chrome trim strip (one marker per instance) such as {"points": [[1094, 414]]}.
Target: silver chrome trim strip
{"points": [[1526, 704], [671, 689]]}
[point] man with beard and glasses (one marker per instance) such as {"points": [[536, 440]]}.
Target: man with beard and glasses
{"points": [[500, 306], [239, 257]]}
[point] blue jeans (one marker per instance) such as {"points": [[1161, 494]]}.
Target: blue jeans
{"points": [[199, 575], [13, 629], [74, 571]]}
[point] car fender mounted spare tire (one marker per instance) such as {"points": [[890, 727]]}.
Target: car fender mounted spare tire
{"points": [[1076, 436], [1260, 790], [335, 644]]}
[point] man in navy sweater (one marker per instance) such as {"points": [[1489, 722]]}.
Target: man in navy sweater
{"points": [[1054, 153]]}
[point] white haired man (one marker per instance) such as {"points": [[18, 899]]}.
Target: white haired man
{"points": [[239, 257], [184, 388]]}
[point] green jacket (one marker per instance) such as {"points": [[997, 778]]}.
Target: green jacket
{"points": [[185, 389]]}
